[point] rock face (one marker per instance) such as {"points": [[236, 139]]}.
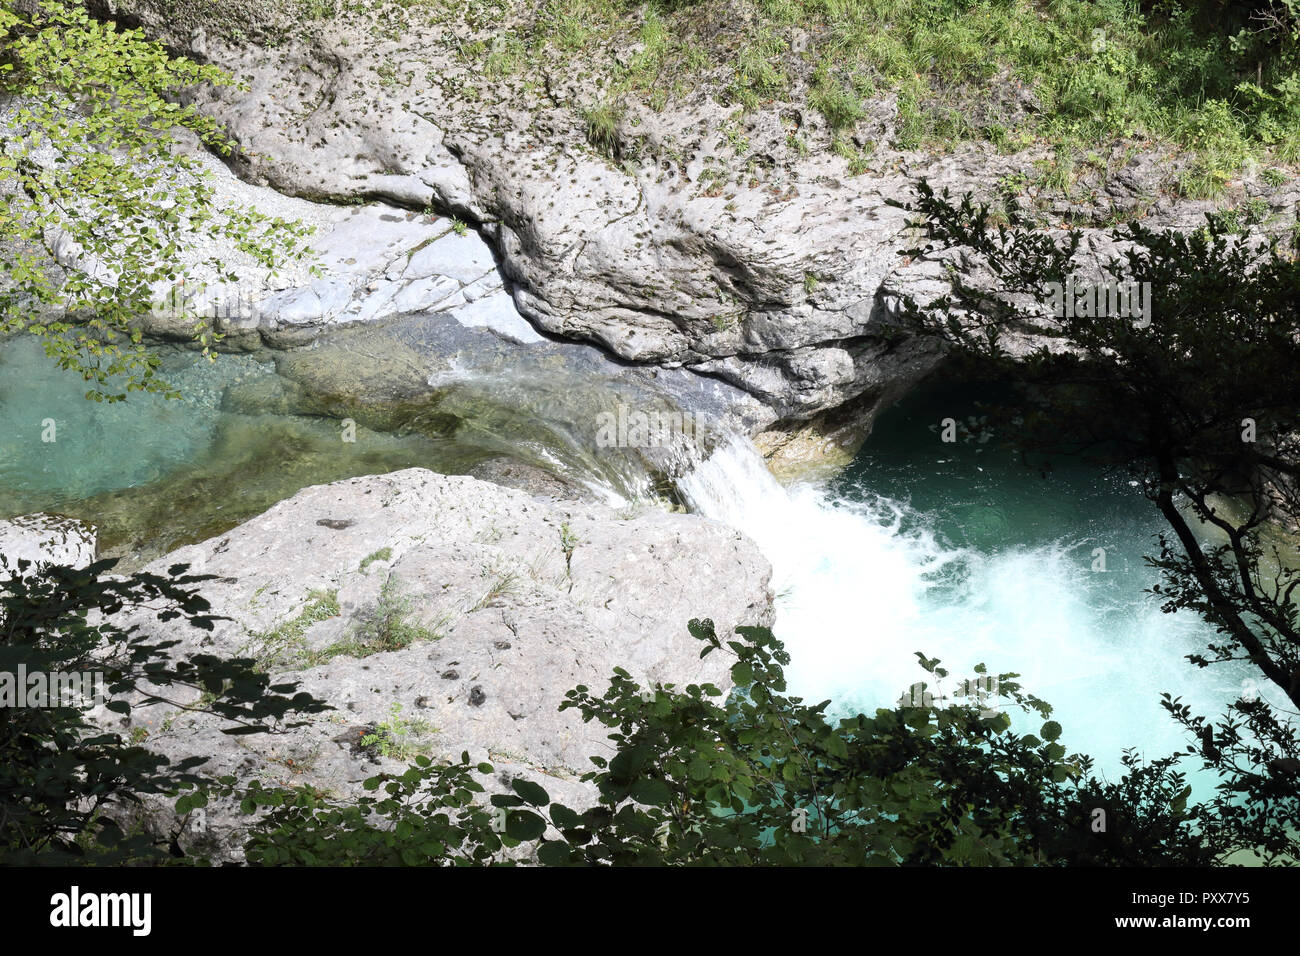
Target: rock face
{"points": [[42, 538], [713, 239], [508, 602], [393, 305], [772, 290], [363, 264]]}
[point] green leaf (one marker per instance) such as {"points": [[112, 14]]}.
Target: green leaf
{"points": [[530, 792], [553, 853], [563, 817], [524, 825], [654, 793], [836, 747]]}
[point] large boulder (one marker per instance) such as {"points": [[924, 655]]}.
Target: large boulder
{"points": [[507, 602]]}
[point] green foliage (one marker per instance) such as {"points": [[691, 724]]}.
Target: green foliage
{"points": [[601, 122], [318, 9], [1196, 402], [841, 107], [506, 57], [87, 153], [65, 783], [1099, 72], [387, 626], [569, 542], [426, 815], [1221, 81], [283, 644], [398, 737], [761, 778], [759, 75]]}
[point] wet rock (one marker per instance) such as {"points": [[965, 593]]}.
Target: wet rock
{"points": [[515, 474]]}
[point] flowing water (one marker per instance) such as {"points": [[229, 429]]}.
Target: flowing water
{"points": [[154, 474], [953, 550], [960, 552]]}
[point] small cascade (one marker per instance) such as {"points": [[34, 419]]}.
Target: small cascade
{"points": [[864, 584]]}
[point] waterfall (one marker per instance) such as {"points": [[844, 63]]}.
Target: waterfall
{"points": [[862, 585]]}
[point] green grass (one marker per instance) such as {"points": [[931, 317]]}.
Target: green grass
{"points": [[383, 554], [503, 584], [506, 56], [601, 123], [389, 625], [1098, 72], [1070, 75], [841, 106], [283, 645]]}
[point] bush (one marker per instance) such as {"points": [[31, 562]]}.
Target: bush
{"points": [[761, 778], [65, 781]]}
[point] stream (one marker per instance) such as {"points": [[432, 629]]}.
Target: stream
{"points": [[955, 550]]}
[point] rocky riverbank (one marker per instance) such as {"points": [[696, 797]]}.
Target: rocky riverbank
{"points": [[442, 614], [731, 243]]}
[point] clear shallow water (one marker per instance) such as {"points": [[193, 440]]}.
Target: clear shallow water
{"points": [[153, 474], [56, 445], [423, 391], [960, 552]]}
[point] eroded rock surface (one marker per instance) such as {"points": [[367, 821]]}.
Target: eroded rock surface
{"points": [[705, 237], [51, 539], [508, 601]]}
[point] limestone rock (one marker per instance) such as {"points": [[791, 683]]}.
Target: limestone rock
{"points": [[517, 600], [43, 538]]}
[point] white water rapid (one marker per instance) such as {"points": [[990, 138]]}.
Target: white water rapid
{"points": [[862, 585]]}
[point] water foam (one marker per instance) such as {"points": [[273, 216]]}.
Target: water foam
{"points": [[863, 585]]}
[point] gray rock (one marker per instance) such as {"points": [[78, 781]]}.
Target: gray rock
{"points": [[521, 599], [463, 258], [759, 264], [43, 538], [320, 301], [514, 474], [498, 313], [421, 295]]}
